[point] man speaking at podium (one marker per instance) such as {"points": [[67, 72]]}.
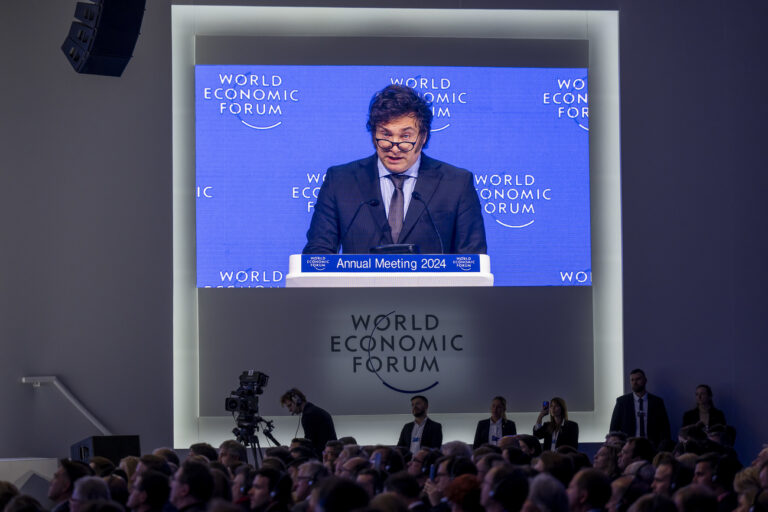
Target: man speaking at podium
{"points": [[399, 195]]}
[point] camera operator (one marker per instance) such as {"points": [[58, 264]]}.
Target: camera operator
{"points": [[316, 422]]}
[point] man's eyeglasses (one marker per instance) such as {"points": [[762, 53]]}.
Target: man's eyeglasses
{"points": [[387, 144]]}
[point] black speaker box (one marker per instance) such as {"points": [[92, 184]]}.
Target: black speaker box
{"points": [[102, 42], [112, 447]]}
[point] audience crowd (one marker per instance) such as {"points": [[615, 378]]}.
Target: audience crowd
{"points": [[501, 472]]}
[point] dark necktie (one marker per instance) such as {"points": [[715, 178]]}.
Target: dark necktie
{"points": [[396, 205], [641, 418]]}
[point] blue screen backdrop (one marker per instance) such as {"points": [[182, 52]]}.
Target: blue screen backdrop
{"points": [[266, 134]]}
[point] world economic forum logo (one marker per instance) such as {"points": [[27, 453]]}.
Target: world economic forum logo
{"points": [[438, 91], [569, 99], [463, 263], [318, 263], [258, 101], [404, 351], [512, 199]]}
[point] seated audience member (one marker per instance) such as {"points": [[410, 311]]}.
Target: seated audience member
{"points": [[529, 444], [8, 491], [280, 452], [580, 460], [746, 485], [625, 490], [705, 414], [372, 480], [761, 458], [309, 474], [447, 469], [331, 452], [760, 504], [504, 490], [606, 460], [23, 503], [387, 459], [422, 431], [242, 482], [491, 430], [63, 483], [695, 498], [559, 430], [634, 450], [232, 454], [155, 462], [270, 491], [589, 489], [407, 487], [717, 472], [670, 476], [222, 484], [463, 493], [653, 503], [387, 502], [349, 451], [546, 494], [487, 462], [101, 466], [303, 453], [128, 465], [516, 456], [149, 492], [336, 494], [352, 467], [170, 456], [484, 449], [347, 440], [271, 462], [557, 465], [88, 488], [456, 449], [616, 438], [118, 488], [204, 449], [422, 463], [191, 487]]}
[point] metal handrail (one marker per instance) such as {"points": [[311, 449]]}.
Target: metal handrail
{"points": [[52, 379]]}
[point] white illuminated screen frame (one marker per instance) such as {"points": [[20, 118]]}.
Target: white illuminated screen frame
{"points": [[600, 28]]}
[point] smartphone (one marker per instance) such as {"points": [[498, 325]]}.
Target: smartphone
{"points": [[544, 404], [432, 472], [377, 461]]}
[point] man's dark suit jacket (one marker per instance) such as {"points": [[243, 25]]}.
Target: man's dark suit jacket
{"points": [[508, 428], [344, 217], [431, 436], [624, 417], [568, 436], [318, 426]]}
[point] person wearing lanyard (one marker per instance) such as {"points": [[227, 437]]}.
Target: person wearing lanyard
{"points": [[559, 430], [422, 432], [497, 426]]}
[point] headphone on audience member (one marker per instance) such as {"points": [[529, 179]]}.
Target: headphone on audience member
{"points": [[314, 476], [280, 485]]}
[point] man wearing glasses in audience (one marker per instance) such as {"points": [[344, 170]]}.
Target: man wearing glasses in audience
{"points": [[399, 195]]}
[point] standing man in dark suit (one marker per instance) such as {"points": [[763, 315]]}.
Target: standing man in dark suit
{"points": [[316, 422], [399, 195], [497, 426], [639, 413], [422, 432]]}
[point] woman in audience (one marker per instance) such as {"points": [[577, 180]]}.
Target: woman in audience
{"points": [[705, 413], [607, 461], [559, 430]]}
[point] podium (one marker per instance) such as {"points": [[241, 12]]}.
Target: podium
{"points": [[387, 270]]}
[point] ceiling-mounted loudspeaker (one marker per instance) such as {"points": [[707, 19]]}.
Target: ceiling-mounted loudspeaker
{"points": [[102, 41]]}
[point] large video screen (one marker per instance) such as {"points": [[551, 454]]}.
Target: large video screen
{"points": [[265, 135]]}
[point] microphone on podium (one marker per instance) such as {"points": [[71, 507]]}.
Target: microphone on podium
{"points": [[370, 202], [417, 196]]}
